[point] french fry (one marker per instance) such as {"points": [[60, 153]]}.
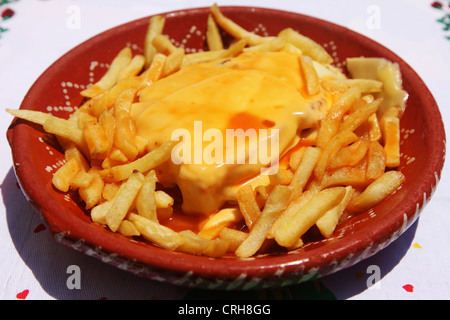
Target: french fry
{"points": [[155, 27], [145, 201], [308, 46], [92, 193], [233, 28], [71, 152], [108, 124], [81, 180], [289, 213], [289, 47], [233, 237], [124, 101], [163, 45], [65, 129], [107, 99], [192, 243], [309, 73], [141, 144], [276, 203], [150, 161], [296, 157], [248, 205], [304, 170], [163, 199], [359, 116], [110, 190], [288, 232], [213, 37], [216, 248], [274, 44], [377, 191], [153, 72], [330, 125], [331, 149], [374, 128], [390, 128], [347, 176], [350, 155], [83, 118], [207, 56], [111, 76], [37, 117], [133, 68], [62, 177], [99, 212], [282, 176], [376, 163], [173, 62], [128, 229], [203, 56], [115, 158], [124, 137], [328, 222], [124, 200], [262, 193], [96, 140], [156, 233], [235, 48]]}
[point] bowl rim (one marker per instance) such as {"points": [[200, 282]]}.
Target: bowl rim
{"points": [[340, 254]]}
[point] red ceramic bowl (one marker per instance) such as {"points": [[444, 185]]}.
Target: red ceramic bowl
{"points": [[57, 91]]}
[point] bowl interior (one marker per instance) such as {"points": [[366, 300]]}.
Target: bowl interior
{"points": [[37, 156]]}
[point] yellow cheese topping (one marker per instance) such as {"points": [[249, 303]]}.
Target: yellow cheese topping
{"points": [[256, 90]]}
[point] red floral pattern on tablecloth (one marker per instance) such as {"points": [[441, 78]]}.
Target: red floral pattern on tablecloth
{"points": [[6, 13], [444, 20]]}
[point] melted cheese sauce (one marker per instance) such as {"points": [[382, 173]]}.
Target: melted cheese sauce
{"points": [[258, 90]]}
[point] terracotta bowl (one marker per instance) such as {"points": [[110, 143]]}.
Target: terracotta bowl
{"points": [[36, 157]]}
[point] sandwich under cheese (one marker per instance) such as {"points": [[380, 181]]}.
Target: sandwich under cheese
{"points": [[255, 90]]}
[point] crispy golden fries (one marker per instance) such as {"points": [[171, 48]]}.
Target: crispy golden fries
{"points": [[155, 28], [311, 78], [118, 65], [150, 161], [124, 200], [156, 233], [330, 125], [302, 174], [248, 205], [291, 227], [62, 177], [328, 222], [92, 193], [232, 28], [275, 204], [343, 166], [390, 127], [308, 46], [145, 200], [213, 37], [377, 191]]}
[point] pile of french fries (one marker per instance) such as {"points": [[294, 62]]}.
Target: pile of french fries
{"points": [[347, 168]]}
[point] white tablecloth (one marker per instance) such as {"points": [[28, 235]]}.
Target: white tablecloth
{"points": [[35, 33]]}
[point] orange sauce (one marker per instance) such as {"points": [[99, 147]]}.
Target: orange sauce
{"points": [[180, 221], [245, 121]]}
